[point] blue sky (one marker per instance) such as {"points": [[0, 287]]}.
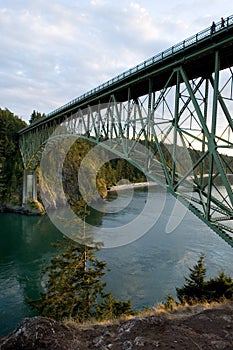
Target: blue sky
{"points": [[53, 51]]}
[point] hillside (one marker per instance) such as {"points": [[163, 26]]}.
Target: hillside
{"points": [[11, 167]]}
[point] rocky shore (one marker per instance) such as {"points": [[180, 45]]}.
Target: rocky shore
{"points": [[30, 209], [191, 328]]}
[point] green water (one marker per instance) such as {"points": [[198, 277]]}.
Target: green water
{"points": [[144, 271], [25, 248]]}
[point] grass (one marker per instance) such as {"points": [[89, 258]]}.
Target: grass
{"points": [[178, 311], [187, 309], [93, 322]]}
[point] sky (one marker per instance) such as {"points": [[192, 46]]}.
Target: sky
{"points": [[54, 51]]}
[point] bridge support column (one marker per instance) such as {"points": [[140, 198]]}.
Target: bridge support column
{"points": [[29, 186]]}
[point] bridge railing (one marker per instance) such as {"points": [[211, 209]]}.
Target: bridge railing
{"points": [[159, 57]]}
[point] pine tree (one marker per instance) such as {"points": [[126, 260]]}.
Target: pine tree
{"points": [[11, 166], [74, 283], [74, 288], [219, 287], [36, 116], [197, 289], [194, 288]]}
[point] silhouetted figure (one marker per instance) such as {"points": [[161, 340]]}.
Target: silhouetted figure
{"points": [[222, 22], [213, 27]]}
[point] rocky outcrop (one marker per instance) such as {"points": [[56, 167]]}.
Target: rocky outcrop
{"points": [[34, 208], [211, 328]]}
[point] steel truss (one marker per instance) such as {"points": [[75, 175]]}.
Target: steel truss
{"points": [[186, 129]]}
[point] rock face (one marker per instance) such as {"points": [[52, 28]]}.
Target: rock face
{"points": [[211, 328]]}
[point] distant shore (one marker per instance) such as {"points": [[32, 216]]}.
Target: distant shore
{"points": [[131, 185]]}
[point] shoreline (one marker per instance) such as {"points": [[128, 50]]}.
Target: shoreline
{"points": [[22, 210], [29, 211], [131, 185]]}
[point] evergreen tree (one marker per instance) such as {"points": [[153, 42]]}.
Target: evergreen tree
{"points": [[219, 287], [73, 283], [74, 288], [197, 289], [35, 116], [111, 307], [11, 167], [194, 288]]}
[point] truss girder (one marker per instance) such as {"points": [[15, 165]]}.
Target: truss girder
{"points": [[186, 127]]}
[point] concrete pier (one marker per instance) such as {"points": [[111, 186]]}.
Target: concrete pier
{"points": [[29, 186]]}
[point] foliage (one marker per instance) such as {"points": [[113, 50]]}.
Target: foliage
{"points": [[195, 286], [220, 286], [11, 167], [188, 156], [35, 116], [170, 303], [74, 288], [105, 176], [197, 289], [111, 307]]}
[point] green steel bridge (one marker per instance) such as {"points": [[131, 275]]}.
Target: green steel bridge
{"points": [[179, 106]]}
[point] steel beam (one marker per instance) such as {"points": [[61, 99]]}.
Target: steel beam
{"points": [[166, 106]]}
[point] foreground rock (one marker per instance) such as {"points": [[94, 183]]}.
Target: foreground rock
{"points": [[211, 328]]}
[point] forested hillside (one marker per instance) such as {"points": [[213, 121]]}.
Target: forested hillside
{"points": [[107, 175], [11, 167], [189, 156]]}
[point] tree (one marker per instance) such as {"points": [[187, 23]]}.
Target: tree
{"points": [[35, 116], [194, 289], [219, 287], [197, 289], [11, 166], [74, 288]]}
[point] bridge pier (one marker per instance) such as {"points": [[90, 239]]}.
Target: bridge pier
{"points": [[29, 186]]}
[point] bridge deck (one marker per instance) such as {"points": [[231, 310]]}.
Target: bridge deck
{"points": [[195, 54]]}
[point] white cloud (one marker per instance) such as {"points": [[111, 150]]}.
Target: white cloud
{"points": [[140, 24], [53, 52]]}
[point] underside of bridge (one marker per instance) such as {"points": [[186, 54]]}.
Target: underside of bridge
{"points": [[170, 117]]}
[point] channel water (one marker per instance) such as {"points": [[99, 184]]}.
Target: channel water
{"points": [[145, 270]]}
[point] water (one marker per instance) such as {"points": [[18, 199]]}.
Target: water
{"points": [[144, 271]]}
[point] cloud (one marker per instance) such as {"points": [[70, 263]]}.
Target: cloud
{"points": [[54, 52]]}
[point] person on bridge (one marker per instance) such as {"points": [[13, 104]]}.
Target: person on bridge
{"points": [[213, 27], [222, 22]]}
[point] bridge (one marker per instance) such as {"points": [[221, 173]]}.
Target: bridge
{"points": [[178, 106]]}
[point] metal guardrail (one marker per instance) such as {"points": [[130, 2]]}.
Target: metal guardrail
{"points": [[159, 57]]}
